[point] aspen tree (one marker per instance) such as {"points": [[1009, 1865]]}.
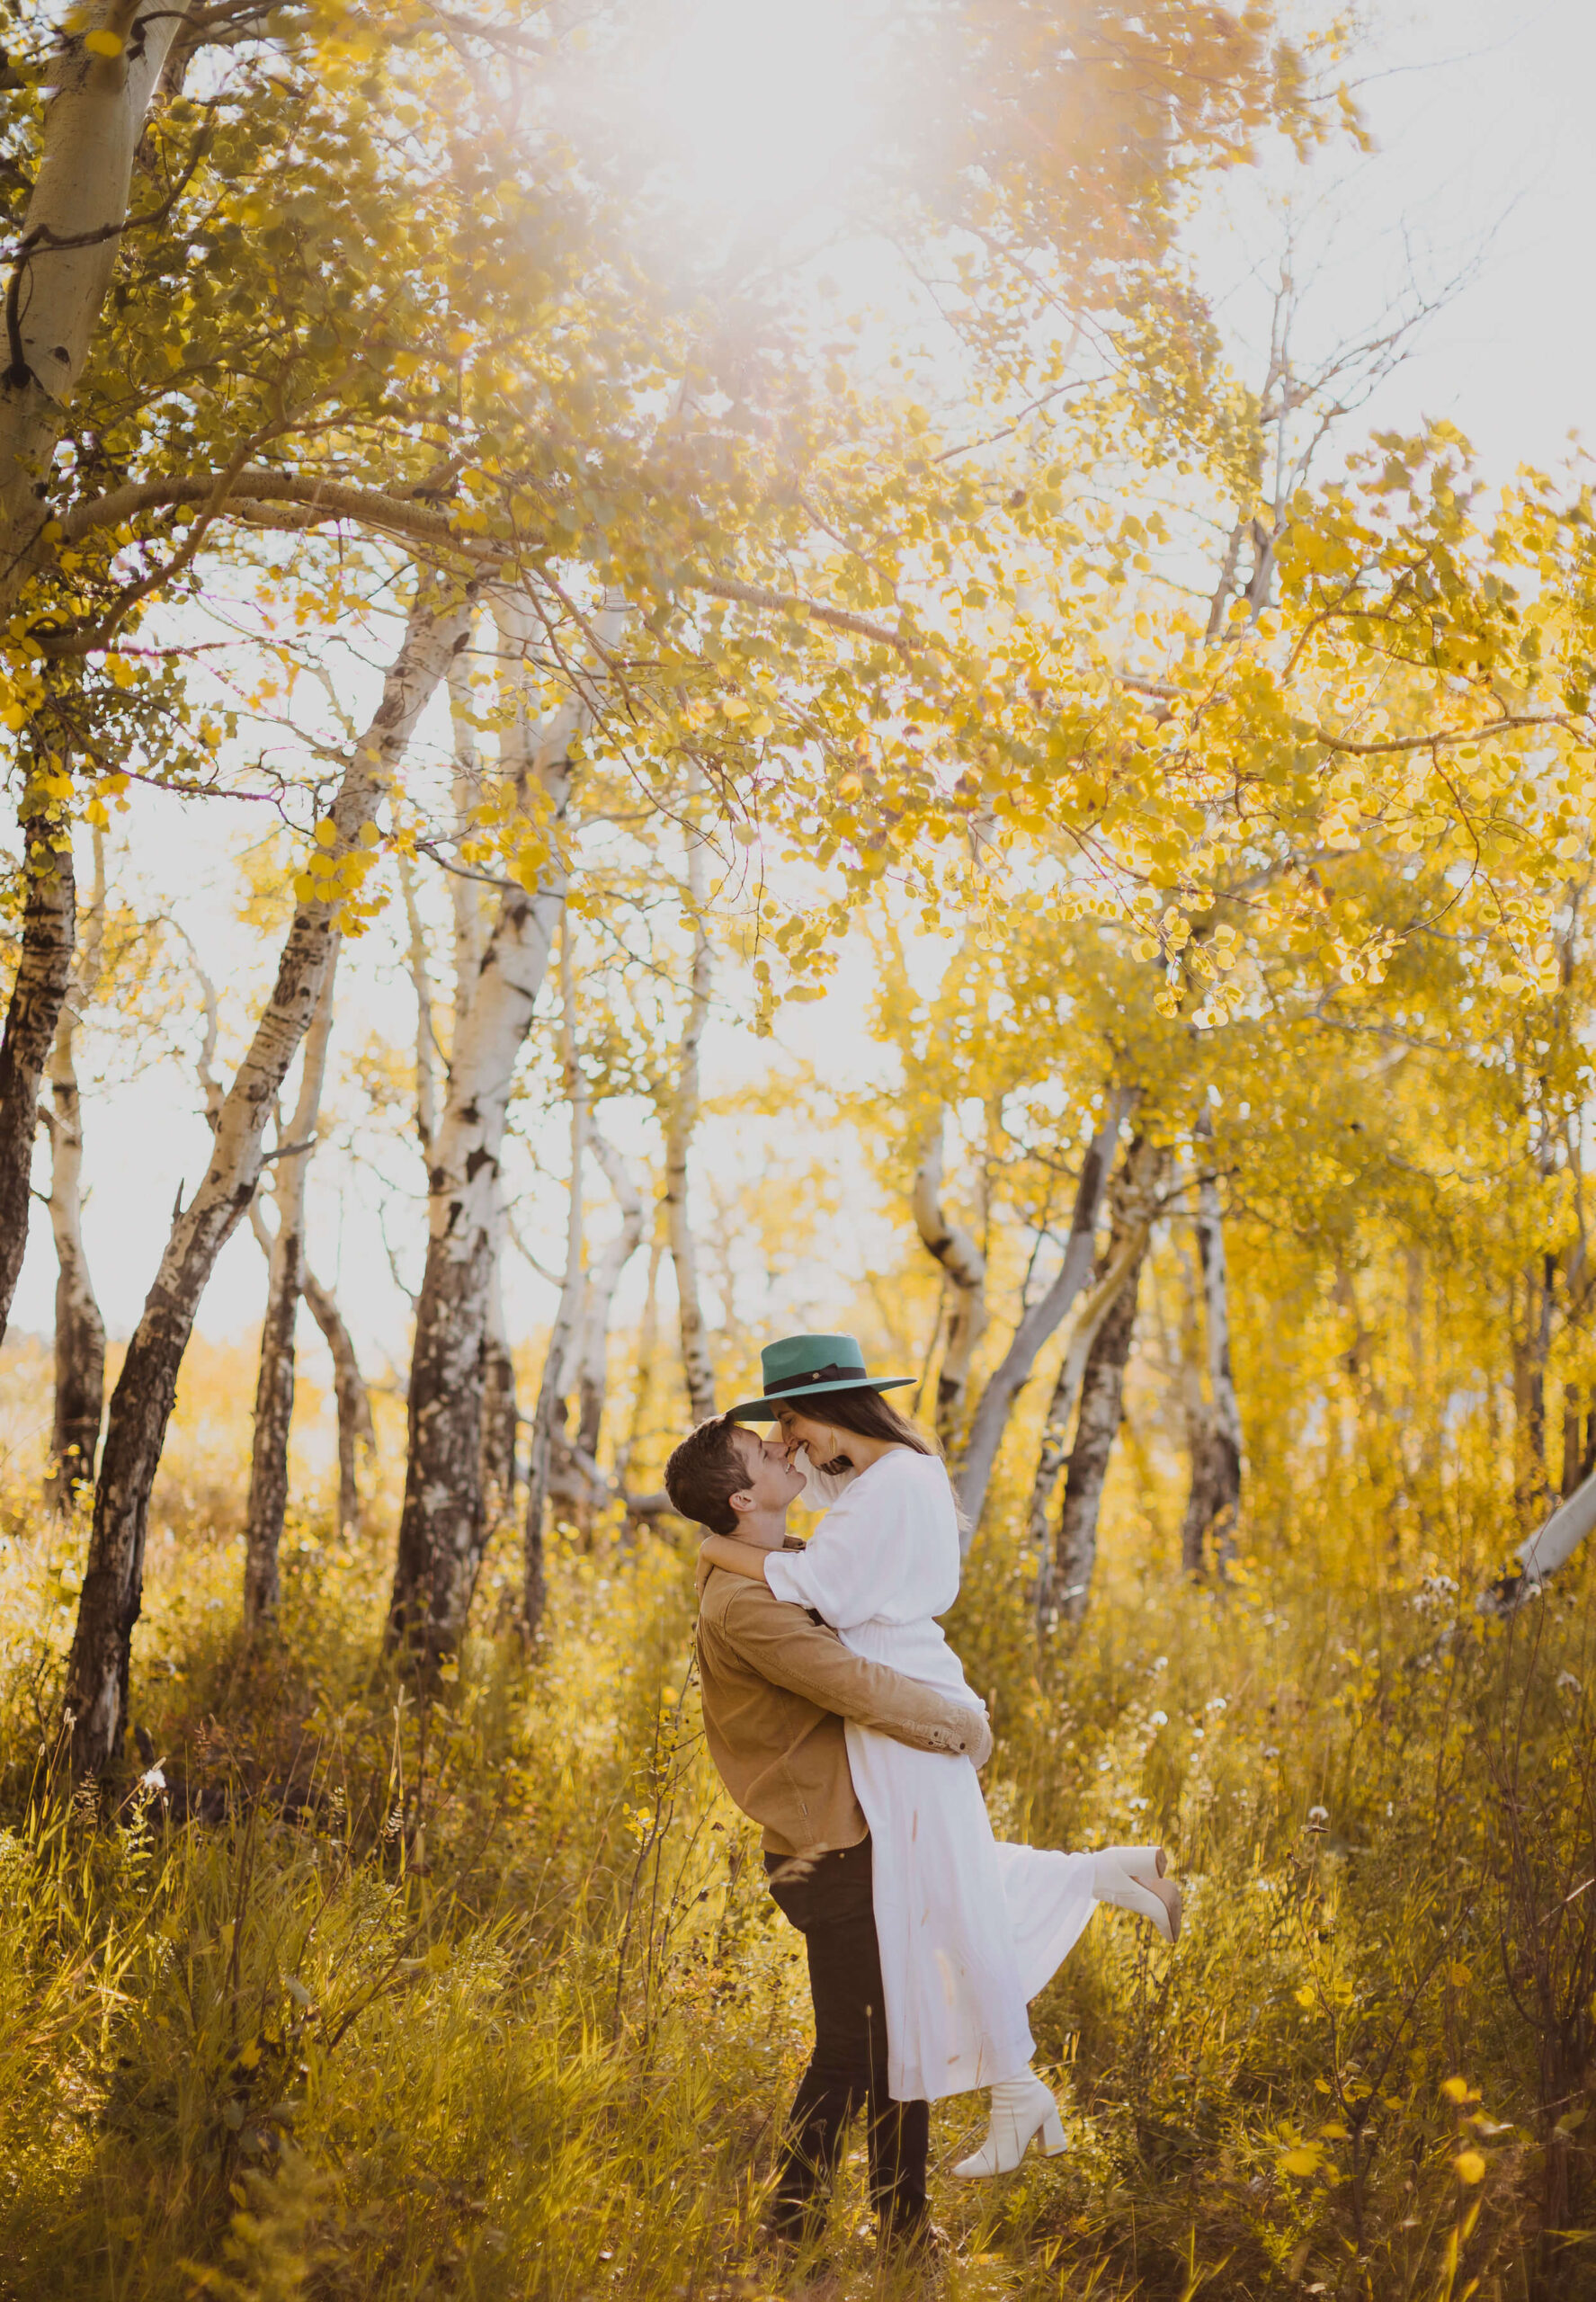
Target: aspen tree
{"points": [[442, 1529], [80, 1330], [141, 1405], [285, 1284], [682, 1116]]}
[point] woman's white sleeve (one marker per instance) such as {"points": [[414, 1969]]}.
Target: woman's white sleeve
{"points": [[822, 1489], [843, 1571]]}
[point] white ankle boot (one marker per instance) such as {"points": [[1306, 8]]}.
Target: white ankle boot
{"points": [[1150, 1895], [1144, 1863], [1021, 2109]]}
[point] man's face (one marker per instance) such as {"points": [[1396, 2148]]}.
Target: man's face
{"points": [[772, 1480]]}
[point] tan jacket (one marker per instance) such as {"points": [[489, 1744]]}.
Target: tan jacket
{"points": [[776, 1683]]}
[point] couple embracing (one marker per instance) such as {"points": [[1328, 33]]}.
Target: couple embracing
{"points": [[840, 1720]]}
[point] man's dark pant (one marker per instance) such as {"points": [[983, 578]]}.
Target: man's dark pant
{"points": [[832, 1908]]}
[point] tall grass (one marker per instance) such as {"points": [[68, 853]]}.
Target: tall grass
{"points": [[339, 1996]]}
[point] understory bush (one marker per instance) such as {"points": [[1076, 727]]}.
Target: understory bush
{"points": [[338, 1993]]}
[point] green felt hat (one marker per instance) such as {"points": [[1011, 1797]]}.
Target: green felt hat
{"points": [[803, 1365]]}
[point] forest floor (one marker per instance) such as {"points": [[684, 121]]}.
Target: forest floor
{"points": [[484, 1996]]}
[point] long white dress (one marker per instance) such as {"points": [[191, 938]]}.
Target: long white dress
{"points": [[971, 1929]]}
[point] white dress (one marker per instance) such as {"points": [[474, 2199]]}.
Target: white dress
{"points": [[969, 1929]]}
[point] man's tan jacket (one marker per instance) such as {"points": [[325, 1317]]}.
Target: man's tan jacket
{"points": [[776, 1683]]}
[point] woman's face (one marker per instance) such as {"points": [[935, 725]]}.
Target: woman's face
{"points": [[798, 1431]]}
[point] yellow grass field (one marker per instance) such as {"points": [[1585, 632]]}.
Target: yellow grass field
{"points": [[487, 1999]]}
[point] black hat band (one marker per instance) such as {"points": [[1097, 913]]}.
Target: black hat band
{"points": [[817, 1375]]}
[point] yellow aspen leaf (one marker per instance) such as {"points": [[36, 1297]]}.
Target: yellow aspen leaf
{"points": [[1470, 2166], [1306, 2159], [103, 43]]}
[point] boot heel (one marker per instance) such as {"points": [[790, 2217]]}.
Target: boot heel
{"points": [[1052, 2134]]}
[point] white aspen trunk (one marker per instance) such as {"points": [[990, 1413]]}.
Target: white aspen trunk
{"points": [[357, 1434], [285, 1280], [80, 1330], [1102, 1397], [466, 792], [549, 1412], [141, 1405], [997, 1404], [44, 970], [965, 1267], [1213, 1505], [697, 1367], [499, 1413], [598, 1299], [67, 252], [498, 1391], [1133, 1198], [442, 1526], [420, 983], [647, 1346]]}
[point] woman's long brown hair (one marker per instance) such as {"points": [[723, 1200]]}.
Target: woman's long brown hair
{"points": [[866, 1414]]}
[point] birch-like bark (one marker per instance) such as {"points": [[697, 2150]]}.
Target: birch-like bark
{"points": [[597, 1298], [44, 969], [466, 792], [285, 1282], [1133, 1203], [996, 1405], [80, 1330], [1102, 1397], [357, 1434], [65, 255], [441, 1529], [647, 1348], [1577, 1398], [965, 1267], [498, 1393], [551, 1409], [697, 1367], [499, 1409], [141, 1405], [1213, 1506], [420, 983]]}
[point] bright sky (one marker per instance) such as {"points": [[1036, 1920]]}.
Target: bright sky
{"points": [[1486, 152]]}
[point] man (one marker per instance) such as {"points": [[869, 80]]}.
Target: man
{"points": [[777, 1684]]}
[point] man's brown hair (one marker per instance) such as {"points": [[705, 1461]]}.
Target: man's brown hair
{"points": [[703, 1474]]}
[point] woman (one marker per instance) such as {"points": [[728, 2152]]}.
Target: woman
{"points": [[969, 1930]]}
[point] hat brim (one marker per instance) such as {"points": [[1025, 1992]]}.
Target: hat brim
{"points": [[766, 1410]]}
